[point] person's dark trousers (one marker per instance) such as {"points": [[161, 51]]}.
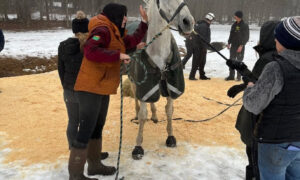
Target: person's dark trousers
{"points": [[252, 169], [235, 56], [72, 105], [202, 62], [92, 114], [195, 64]]}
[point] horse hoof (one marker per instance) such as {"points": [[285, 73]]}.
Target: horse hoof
{"points": [[171, 141], [138, 153], [155, 120]]}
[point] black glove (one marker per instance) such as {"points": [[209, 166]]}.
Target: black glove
{"points": [[237, 65], [234, 90]]}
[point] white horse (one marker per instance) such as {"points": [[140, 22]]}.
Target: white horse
{"points": [[159, 51]]}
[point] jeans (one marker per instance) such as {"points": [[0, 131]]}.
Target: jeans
{"points": [[278, 161], [73, 114]]}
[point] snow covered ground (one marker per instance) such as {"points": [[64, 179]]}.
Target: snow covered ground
{"points": [[217, 163], [45, 44], [197, 163]]}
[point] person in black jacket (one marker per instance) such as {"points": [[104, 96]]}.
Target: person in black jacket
{"points": [[245, 120], [70, 54], [2, 40], [276, 96], [196, 47], [239, 36]]}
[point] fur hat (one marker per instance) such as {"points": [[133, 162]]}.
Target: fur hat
{"points": [[239, 14], [115, 13], [288, 33], [80, 23]]}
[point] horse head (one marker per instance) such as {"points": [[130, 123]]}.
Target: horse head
{"points": [[177, 12]]}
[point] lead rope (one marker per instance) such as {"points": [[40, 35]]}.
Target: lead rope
{"points": [[121, 127]]}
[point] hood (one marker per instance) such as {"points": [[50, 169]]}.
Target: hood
{"points": [[292, 56], [71, 46], [267, 38]]}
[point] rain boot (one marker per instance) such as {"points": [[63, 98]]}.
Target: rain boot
{"points": [[95, 166], [76, 164]]}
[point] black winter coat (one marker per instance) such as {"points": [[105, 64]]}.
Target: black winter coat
{"points": [[2, 40], [203, 29], [239, 34], [69, 62], [266, 50]]}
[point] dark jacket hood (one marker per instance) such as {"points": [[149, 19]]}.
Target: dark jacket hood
{"points": [[71, 46], [267, 38]]}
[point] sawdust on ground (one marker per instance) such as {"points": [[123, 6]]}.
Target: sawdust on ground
{"points": [[33, 119]]}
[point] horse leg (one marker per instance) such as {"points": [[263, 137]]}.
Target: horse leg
{"points": [[154, 115], [138, 151], [137, 106], [171, 141]]}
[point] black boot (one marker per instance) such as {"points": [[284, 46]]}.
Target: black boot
{"points": [[95, 166], [192, 78], [76, 164], [104, 155], [204, 77], [229, 78], [249, 173]]}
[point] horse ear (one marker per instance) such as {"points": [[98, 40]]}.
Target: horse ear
{"points": [[146, 1]]}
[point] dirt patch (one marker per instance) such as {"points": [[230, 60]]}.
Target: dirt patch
{"points": [[16, 25], [29, 65]]}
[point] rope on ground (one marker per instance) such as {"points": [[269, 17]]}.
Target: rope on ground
{"points": [[219, 102], [198, 121]]}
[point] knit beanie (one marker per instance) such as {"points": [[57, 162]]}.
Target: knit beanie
{"points": [[288, 33], [239, 14], [80, 23], [115, 13]]}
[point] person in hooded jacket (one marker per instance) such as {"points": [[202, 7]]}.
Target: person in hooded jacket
{"points": [[276, 96], [244, 124], [98, 78], [2, 40]]}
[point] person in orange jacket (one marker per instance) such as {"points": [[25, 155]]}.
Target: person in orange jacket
{"points": [[98, 78]]}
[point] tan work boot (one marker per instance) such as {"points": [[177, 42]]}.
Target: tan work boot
{"points": [[95, 166], [76, 164]]}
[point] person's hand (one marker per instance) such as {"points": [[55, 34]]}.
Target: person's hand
{"points": [[239, 50], [143, 14], [228, 46], [237, 65], [250, 84], [125, 58], [141, 45]]}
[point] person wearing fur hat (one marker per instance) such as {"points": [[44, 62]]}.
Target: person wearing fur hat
{"points": [[239, 36], [98, 78], [276, 95]]}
